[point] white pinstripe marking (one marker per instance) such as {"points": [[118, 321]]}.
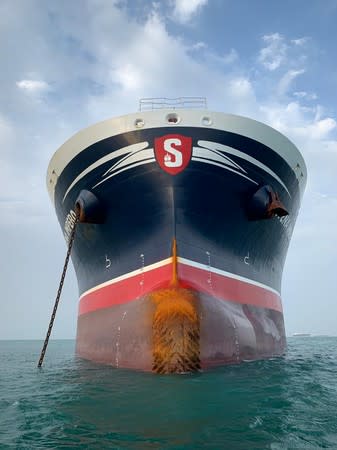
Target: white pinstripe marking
{"points": [[115, 154], [208, 153], [207, 161], [131, 166], [232, 151], [131, 158], [215, 155]]}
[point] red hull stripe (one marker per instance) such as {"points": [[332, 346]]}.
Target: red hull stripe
{"points": [[230, 288], [219, 284], [126, 289], [214, 270]]}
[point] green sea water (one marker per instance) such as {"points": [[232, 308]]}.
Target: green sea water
{"points": [[283, 403]]}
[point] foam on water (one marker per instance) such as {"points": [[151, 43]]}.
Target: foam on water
{"points": [[287, 402]]}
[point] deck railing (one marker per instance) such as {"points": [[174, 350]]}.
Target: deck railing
{"points": [[150, 104]]}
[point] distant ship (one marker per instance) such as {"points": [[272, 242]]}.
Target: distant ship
{"points": [[301, 334], [185, 220]]}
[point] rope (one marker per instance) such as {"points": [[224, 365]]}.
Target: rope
{"points": [[70, 244]]}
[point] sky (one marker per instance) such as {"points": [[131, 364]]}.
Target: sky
{"points": [[66, 65]]}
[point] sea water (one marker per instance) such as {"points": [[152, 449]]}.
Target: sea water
{"points": [[281, 403]]}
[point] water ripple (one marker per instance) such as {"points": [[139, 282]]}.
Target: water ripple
{"points": [[282, 403]]}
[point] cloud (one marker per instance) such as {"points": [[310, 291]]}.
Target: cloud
{"points": [[305, 95], [240, 87], [185, 10], [212, 60], [274, 54], [287, 79], [32, 86], [300, 41], [199, 46], [298, 122], [321, 128], [280, 54], [128, 76]]}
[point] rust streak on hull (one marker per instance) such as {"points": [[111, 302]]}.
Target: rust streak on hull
{"points": [[175, 331]]}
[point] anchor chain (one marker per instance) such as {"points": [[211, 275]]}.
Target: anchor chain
{"points": [[70, 244]]}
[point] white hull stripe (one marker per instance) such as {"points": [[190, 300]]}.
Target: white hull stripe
{"points": [[187, 262], [134, 273], [214, 270]]}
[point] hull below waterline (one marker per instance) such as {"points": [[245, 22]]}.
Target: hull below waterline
{"points": [[179, 328]]}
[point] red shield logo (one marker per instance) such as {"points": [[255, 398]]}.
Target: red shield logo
{"points": [[173, 152]]}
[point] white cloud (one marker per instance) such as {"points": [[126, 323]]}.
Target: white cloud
{"points": [[300, 41], [240, 87], [184, 10], [274, 54], [321, 128], [278, 52], [298, 122], [285, 82], [199, 46], [32, 86], [305, 95], [128, 76]]}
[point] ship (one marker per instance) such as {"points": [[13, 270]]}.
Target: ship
{"points": [[180, 219]]}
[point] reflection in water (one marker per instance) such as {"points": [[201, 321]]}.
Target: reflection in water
{"points": [[183, 410]]}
